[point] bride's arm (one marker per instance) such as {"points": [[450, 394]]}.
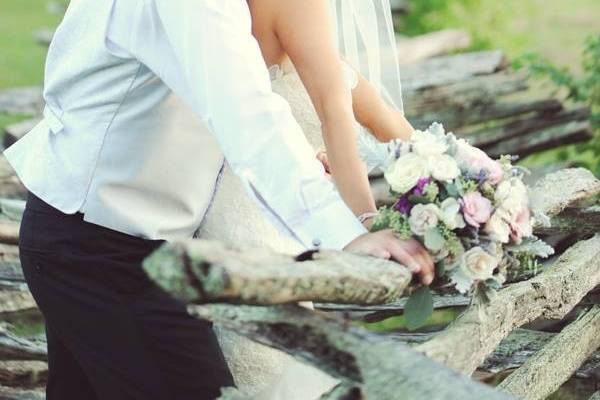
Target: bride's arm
{"points": [[305, 32], [372, 112]]}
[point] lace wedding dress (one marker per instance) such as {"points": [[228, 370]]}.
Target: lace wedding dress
{"points": [[236, 219]]}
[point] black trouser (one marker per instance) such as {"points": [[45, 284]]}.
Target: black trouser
{"points": [[112, 333]]}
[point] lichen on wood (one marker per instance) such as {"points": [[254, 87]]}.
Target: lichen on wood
{"points": [[556, 362], [384, 368], [206, 271], [465, 344]]}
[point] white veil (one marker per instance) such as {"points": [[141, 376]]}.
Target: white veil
{"points": [[364, 32]]}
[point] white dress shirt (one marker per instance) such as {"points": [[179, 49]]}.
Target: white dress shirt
{"points": [[144, 97]]}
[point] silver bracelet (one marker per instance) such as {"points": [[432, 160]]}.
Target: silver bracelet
{"points": [[366, 216]]}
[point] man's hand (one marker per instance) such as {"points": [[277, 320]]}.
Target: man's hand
{"points": [[384, 244]]}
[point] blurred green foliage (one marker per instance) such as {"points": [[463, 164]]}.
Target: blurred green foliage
{"points": [[548, 32], [487, 21], [584, 89]]}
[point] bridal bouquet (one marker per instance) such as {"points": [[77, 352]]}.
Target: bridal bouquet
{"points": [[470, 212]]}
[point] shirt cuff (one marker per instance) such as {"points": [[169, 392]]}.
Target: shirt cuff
{"points": [[333, 227]]}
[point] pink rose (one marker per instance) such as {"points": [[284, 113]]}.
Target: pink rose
{"points": [[475, 160], [476, 209], [521, 226]]}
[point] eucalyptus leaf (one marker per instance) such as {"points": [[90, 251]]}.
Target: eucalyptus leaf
{"points": [[434, 240], [451, 189], [419, 308]]}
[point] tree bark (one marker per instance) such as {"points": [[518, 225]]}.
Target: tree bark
{"points": [[465, 344], [12, 301], [205, 271], [23, 374], [13, 348], [446, 70], [554, 364], [20, 394], [9, 232], [521, 345], [383, 368], [489, 136], [555, 136]]}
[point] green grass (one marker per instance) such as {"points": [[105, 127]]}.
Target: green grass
{"points": [[21, 57], [555, 28], [439, 318]]}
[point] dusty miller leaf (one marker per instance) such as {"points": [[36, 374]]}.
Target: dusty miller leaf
{"points": [[419, 308]]}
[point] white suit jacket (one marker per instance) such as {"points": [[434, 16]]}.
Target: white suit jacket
{"points": [[145, 98]]}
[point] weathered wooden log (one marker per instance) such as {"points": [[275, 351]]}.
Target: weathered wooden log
{"points": [[14, 348], [595, 396], [439, 301], [21, 101], [556, 136], [12, 209], [20, 394], [205, 271], [554, 364], [9, 232], [466, 343], [11, 271], [12, 301], [441, 71], [567, 188], [23, 374], [489, 136], [10, 185], [480, 110], [521, 345], [583, 221], [418, 48], [381, 367]]}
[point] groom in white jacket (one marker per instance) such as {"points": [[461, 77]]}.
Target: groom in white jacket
{"points": [[144, 100]]}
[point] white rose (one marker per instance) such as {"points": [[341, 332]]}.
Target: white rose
{"points": [[478, 264], [511, 196], [450, 214], [498, 227], [423, 217], [404, 174], [425, 144], [443, 167]]}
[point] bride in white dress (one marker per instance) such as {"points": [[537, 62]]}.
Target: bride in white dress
{"points": [[305, 42]]}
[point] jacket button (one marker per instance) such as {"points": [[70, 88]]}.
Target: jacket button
{"points": [[317, 242]]}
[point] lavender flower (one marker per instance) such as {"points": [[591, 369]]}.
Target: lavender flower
{"points": [[419, 190], [403, 206]]}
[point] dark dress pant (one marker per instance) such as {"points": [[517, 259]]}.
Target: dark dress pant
{"points": [[112, 333]]}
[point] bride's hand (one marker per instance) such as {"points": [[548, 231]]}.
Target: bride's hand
{"points": [[385, 244]]}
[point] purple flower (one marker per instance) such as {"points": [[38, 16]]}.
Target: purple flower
{"points": [[419, 190], [403, 206]]}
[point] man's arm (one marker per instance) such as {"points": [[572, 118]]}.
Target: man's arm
{"points": [[216, 66]]}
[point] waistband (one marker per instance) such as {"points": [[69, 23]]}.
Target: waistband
{"points": [[77, 226]]}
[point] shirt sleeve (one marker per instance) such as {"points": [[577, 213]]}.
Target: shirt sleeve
{"points": [[205, 52]]}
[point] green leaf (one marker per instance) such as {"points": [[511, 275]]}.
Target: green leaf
{"points": [[419, 308], [418, 199], [451, 189], [434, 240]]}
